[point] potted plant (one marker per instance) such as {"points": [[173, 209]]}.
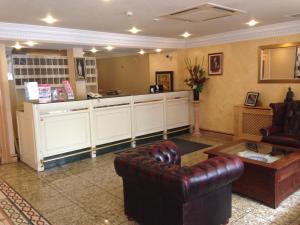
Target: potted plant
{"points": [[197, 77]]}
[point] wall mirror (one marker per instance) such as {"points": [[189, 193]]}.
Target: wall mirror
{"points": [[279, 63]]}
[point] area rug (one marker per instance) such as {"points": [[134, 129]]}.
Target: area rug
{"points": [[14, 210], [184, 146]]}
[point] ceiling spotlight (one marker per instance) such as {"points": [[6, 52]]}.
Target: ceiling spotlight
{"points": [[30, 43], [156, 19], [17, 46], [109, 48], [186, 34], [49, 19], [252, 23], [94, 50], [142, 52], [134, 30], [158, 50]]}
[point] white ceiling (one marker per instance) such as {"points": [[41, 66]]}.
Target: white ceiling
{"points": [[109, 16]]}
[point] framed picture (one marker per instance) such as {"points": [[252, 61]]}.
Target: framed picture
{"points": [[165, 78], [80, 68], [297, 63], [215, 63], [251, 99]]}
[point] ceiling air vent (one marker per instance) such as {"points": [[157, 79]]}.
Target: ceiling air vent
{"points": [[296, 15], [204, 12]]}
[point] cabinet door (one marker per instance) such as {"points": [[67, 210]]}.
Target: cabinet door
{"points": [[65, 132], [148, 118], [112, 124], [177, 113]]}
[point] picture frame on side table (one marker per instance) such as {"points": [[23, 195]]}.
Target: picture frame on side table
{"points": [[215, 64], [165, 78], [80, 68], [251, 99]]}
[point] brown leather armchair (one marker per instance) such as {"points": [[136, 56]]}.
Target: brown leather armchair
{"points": [[285, 129], [158, 191]]}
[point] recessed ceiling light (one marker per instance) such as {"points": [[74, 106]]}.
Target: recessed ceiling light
{"points": [[30, 43], [252, 23], [156, 19], [142, 52], [134, 30], [109, 48], [49, 19], [94, 50], [17, 46], [186, 34], [158, 50], [129, 13]]}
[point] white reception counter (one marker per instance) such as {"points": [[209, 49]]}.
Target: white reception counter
{"points": [[49, 130]]}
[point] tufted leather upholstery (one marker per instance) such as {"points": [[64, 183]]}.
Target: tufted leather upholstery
{"points": [[200, 194], [285, 129]]}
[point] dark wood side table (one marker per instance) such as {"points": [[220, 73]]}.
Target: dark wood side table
{"points": [[269, 182]]}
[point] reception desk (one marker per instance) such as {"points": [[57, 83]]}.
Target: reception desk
{"points": [[55, 130]]}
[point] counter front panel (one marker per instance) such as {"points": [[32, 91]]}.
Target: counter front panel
{"points": [[63, 127]]}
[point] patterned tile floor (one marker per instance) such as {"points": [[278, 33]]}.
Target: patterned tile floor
{"points": [[88, 192]]}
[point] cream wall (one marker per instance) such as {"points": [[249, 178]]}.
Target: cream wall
{"points": [[220, 93], [130, 74], [160, 62], [240, 75]]}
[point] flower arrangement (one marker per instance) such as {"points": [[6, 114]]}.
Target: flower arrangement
{"points": [[197, 75]]}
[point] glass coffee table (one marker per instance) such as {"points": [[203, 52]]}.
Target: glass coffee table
{"points": [[271, 174]]}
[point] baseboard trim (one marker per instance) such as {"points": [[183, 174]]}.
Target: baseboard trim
{"points": [[214, 133], [11, 159]]}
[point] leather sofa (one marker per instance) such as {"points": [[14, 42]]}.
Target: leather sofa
{"points": [[285, 129], [158, 191]]}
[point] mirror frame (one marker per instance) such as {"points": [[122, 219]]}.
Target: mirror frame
{"points": [[261, 48]]}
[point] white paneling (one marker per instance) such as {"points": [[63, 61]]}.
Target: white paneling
{"points": [[177, 113], [55, 128], [148, 118], [112, 124], [66, 132], [27, 140]]}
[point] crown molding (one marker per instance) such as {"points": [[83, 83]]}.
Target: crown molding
{"points": [[274, 30], [23, 32]]}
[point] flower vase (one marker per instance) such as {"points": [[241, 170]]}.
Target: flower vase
{"points": [[196, 95]]}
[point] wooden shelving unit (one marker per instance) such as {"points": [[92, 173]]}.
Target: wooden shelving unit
{"points": [[91, 71], [47, 69], [91, 75], [42, 69], [51, 70]]}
